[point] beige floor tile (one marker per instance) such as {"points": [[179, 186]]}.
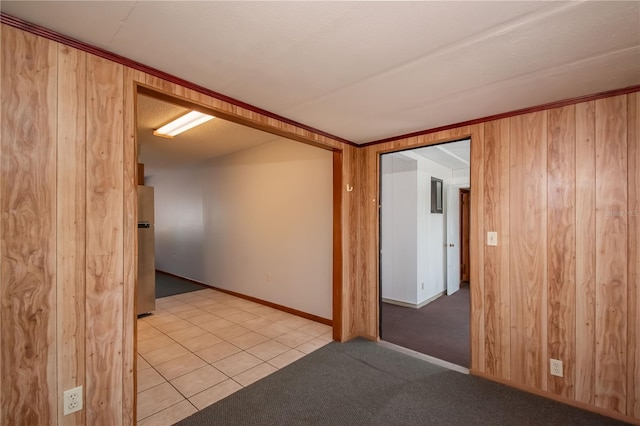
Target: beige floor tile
{"points": [[182, 307], [262, 310], [215, 307], [149, 333], [157, 399], [177, 325], [293, 338], [198, 380], [267, 350], [296, 322], [312, 345], [214, 394], [227, 312], [254, 374], [179, 366], [315, 329], [217, 352], [286, 358], [150, 345], [237, 363], [200, 342], [328, 336], [201, 319], [240, 317], [232, 331], [256, 323], [141, 363], [170, 415], [278, 316], [190, 313], [186, 333], [160, 318], [273, 330], [203, 302], [143, 325], [247, 340], [165, 354], [215, 325], [149, 378]]}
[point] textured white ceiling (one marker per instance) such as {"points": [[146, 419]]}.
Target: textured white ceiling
{"points": [[369, 70], [212, 139]]}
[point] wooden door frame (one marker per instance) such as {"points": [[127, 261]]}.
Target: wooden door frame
{"points": [[462, 245], [337, 160]]}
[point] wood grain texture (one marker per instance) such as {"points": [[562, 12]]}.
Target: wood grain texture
{"points": [[71, 214], [28, 229], [585, 221], [561, 246], [611, 259], [337, 246], [496, 260], [104, 253], [132, 171], [528, 254], [633, 314], [476, 284]]}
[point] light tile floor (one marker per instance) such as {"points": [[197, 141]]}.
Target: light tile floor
{"points": [[200, 347]]}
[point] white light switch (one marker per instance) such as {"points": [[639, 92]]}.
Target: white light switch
{"points": [[492, 238]]}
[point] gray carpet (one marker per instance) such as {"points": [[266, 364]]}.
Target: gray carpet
{"points": [[362, 383], [168, 285]]}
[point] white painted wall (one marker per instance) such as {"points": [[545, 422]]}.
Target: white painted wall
{"points": [[267, 221], [399, 224], [178, 222], [461, 177], [412, 238]]}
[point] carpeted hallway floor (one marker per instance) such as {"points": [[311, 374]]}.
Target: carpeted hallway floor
{"points": [[439, 329], [169, 285]]}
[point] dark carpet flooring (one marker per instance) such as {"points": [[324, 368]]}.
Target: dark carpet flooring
{"points": [[168, 285], [363, 383], [439, 329]]}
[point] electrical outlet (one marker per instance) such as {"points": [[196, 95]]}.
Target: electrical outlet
{"points": [[556, 367], [72, 400]]}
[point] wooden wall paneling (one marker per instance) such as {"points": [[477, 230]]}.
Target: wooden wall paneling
{"points": [[104, 289], [372, 289], [585, 221], [633, 383], [130, 244], [496, 258], [71, 203], [358, 319], [528, 241], [28, 229], [561, 246], [477, 250], [337, 272], [611, 259], [350, 238]]}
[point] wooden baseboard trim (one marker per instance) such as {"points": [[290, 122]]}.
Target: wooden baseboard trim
{"points": [[256, 300], [559, 398]]}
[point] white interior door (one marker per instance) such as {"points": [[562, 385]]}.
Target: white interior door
{"points": [[453, 240]]}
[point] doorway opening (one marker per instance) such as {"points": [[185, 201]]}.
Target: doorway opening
{"points": [[425, 196]]}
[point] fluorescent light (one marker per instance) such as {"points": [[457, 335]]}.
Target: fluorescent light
{"points": [[182, 124]]}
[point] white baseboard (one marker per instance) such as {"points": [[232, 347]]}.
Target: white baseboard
{"points": [[413, 305]]}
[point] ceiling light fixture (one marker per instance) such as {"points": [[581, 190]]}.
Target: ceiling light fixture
{"points": [[182, 124]]}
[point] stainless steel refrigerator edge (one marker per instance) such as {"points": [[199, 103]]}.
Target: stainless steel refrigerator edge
{"points": [[146, 291]]}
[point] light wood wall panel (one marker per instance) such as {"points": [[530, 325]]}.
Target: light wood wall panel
{"points": [[527, 248], [71, 215], [561, 246], [633, 384], [611, 259], [104, 246], [585, 221], [497, 321], [28, 229]]}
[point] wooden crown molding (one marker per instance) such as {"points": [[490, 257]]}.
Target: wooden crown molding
{"points": [[550, 105], [68, 41], [55, 36]]}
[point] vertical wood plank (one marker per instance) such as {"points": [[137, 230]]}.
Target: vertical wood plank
{"points": [[477, 252], [104, 255], [633, 384], [561, 246], [611, 258], [496, 263], [528, 242], [71, 204], [585, 252], [28, 229], [130, 245]]}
